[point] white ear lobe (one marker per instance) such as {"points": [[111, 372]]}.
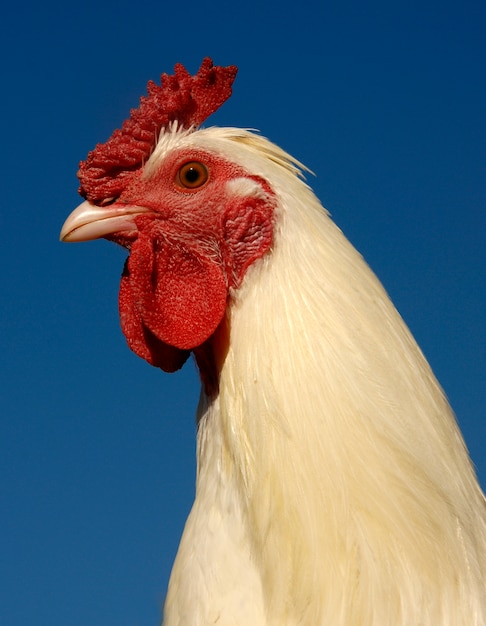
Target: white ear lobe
{"points": [[245, 187]]}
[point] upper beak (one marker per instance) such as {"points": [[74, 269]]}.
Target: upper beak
{"points": [[89, 221]]}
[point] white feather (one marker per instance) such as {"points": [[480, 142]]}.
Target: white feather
{"points": [[333, 487]]}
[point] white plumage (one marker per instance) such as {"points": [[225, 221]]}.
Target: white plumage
{"points": [[333, 485]]}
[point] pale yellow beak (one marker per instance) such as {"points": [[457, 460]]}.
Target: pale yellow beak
{"points": [[89, 221]]}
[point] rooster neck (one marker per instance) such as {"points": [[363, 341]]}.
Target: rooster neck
{"points": [[332, 481], [215, 578]]}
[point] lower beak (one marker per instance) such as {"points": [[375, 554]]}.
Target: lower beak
{"points": [[89, 221]]}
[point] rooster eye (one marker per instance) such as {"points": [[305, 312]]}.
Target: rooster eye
{"points": [[192, 175]]}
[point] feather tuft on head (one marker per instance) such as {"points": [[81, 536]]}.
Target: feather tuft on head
{"points": [[182, 98]]}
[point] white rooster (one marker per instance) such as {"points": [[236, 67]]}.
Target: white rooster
{"points": [[333, 485]]}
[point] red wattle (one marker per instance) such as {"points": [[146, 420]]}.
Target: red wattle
{"points": [[173, 296], [140, 339]]}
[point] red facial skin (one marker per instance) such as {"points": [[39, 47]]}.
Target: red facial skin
{"points": [[186, 254]]}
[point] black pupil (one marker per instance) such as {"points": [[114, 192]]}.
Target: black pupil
{"points": [[192, 175]]}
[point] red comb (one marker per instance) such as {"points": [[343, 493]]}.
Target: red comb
{"points": [[188, 99]]}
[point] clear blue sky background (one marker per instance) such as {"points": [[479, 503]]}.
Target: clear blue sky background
{"points": [[384, 101]]}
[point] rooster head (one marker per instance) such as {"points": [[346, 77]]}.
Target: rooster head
{"points": [[192, 219]]}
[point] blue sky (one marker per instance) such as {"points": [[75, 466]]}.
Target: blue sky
{"points": [[384, 101]]}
